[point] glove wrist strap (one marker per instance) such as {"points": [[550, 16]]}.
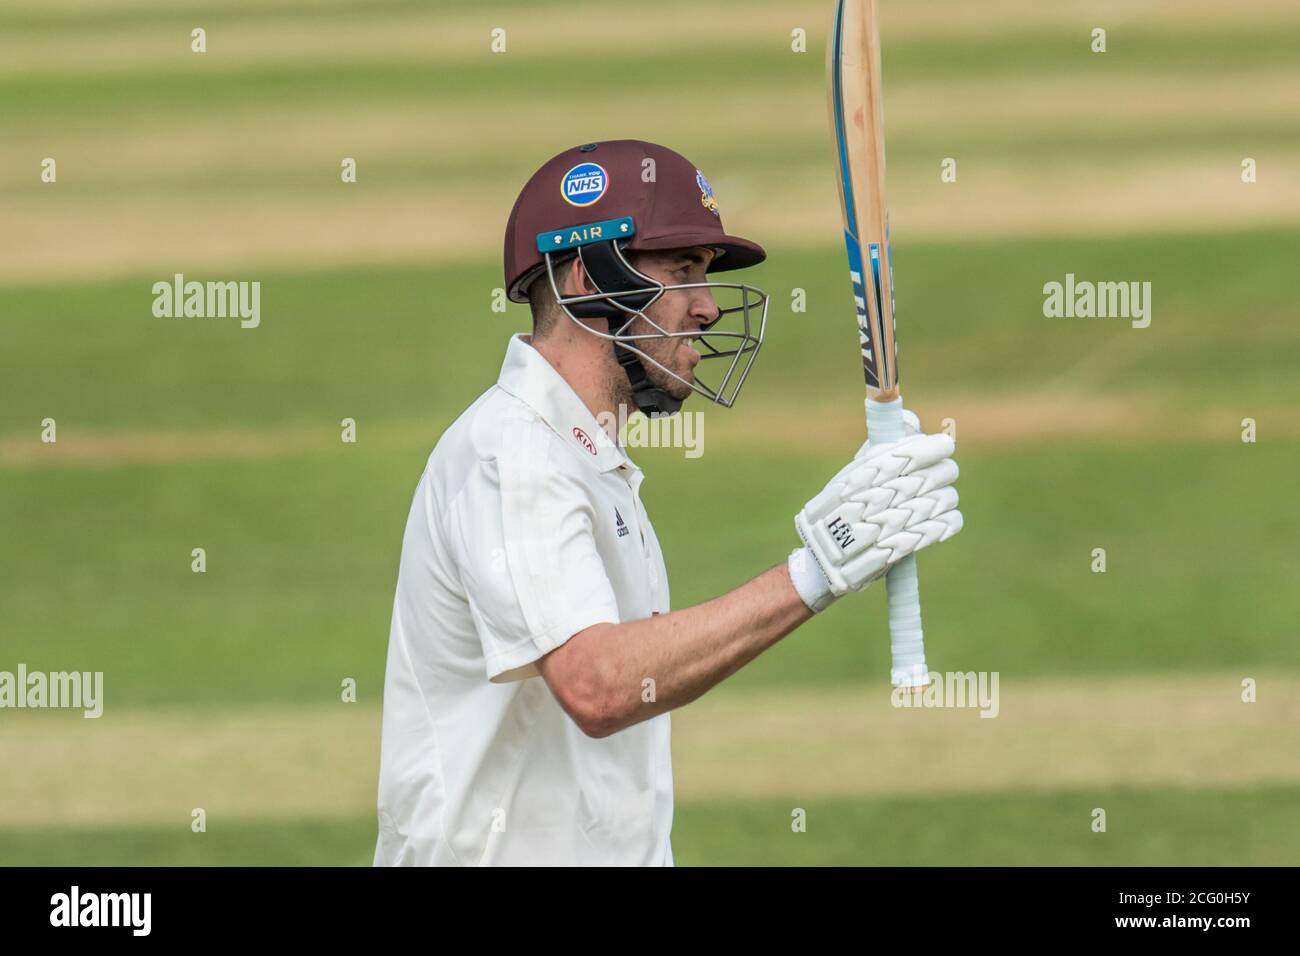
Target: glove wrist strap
{"points": [[807, 577]]}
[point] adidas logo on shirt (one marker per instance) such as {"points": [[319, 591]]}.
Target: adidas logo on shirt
{"points": [[618, 523]]}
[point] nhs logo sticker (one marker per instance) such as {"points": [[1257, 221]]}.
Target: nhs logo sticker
{"points": [[584, 184]]}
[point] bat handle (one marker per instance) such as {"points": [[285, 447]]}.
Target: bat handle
{"points": [[906, 640]]}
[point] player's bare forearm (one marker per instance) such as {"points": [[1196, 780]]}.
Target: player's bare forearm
{"points": [[684, 653]]}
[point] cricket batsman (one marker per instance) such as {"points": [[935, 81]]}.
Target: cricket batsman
{"points": [[534, 655]]}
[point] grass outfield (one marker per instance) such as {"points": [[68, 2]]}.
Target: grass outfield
{"points": [[382, 344], [1144, 828], [192, 434], [302, 532], [302, 555], [230, 160], [1162, 827]]}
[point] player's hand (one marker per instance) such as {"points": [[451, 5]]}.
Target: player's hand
{"points": [[892, 500]]}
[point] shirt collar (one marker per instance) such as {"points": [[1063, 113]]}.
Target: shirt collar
{"points": [[527, 376]]}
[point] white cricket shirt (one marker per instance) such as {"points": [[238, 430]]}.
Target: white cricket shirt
{"points": [[526, 528]]}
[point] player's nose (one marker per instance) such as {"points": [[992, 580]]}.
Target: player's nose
{"points": [[704, 308]]}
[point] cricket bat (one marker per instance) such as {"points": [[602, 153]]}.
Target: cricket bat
{"points": [[856, 107]]}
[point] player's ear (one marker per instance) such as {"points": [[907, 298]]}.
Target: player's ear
{"points": [[576, 279]]}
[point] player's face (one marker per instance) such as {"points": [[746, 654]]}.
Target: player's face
{"points": [[677, 310]]}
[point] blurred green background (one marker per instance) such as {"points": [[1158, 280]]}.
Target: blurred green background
{"points": [[1119, 691]]}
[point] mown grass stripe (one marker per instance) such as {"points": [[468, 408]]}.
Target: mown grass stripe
{"points": [[1146, 827], [228, 173], [799, 743], [485, 77]]}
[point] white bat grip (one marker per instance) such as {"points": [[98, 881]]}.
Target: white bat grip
{"points": [[906, 641]]}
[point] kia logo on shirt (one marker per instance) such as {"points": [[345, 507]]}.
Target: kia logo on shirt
{"points": [[583, 440]]}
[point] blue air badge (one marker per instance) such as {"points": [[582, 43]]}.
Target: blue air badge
{"points": [[584, 184], [706, 194]]}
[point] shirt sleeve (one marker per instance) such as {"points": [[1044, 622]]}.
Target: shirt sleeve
{"points": [[530, 566]]}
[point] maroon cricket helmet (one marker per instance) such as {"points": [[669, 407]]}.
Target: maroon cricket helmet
{"points": [[607, 181]]}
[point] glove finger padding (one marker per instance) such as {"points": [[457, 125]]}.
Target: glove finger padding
{"points": [[908, 467], [922, 451], [876, 561], [920, 535], [891, 501], [922, 482]]}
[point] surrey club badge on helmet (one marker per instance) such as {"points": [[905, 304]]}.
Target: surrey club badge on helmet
{"points": [[707, 199]]}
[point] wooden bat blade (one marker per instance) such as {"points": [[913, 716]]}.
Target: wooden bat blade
{"points": [[857, 117]]}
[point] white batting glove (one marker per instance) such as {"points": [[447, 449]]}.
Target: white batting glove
{"points": [[892, 500]]}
